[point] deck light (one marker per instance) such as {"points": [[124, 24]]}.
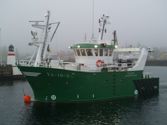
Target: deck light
{"points": [[96, 46], [116, 46]]}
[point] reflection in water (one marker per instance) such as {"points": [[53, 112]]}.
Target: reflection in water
{"points": [[120, 112], [150, 111], [98, 113], [6, 83]]}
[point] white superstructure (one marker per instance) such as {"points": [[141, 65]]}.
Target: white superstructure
{"points": [[90, 56]]}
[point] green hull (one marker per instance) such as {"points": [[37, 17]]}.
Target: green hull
{"points": [[61, 85]]}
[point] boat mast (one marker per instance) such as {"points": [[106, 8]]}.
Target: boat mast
{"points": [[102, 23], [43, 44], [43, 53]]}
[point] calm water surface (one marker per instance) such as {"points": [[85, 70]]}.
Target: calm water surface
{"points": [[150, 111]]}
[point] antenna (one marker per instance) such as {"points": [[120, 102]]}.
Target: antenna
{"points": [[92, 20], [115, 38], [85, 37]]}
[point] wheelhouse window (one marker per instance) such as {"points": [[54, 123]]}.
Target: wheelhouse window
{"points": [[89, 52], [83, 52], [96, 52], [110, 52], [101, 52], [105, 52], [78, 52]]}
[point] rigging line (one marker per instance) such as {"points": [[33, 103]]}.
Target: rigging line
{"points": [[55, 31]]}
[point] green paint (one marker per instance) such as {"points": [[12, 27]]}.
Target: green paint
{"points": [[66, 86]]}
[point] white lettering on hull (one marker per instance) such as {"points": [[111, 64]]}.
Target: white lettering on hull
{"points": [[35, 74]]}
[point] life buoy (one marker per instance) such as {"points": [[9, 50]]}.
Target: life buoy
{"points": [[99, 63]]}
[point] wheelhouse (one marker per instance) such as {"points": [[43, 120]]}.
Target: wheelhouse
{"points": [[90, 54], [88, 49]]}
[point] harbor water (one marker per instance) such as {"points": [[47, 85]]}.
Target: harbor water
{"points": [[150, 111]]}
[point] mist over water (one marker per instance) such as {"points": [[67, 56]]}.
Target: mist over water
{"points": [[136, 21]]}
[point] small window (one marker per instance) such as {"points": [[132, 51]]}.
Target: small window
{"points": [[89, 52], [110, 52], [78, 52], [96, 52], [105, 52], [101, 52], [83, 52]]}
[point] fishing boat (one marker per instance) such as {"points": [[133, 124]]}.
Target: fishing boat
{"points": [[102, 70]]}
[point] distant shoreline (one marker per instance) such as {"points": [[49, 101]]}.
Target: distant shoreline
{"points": [[156, 63]]}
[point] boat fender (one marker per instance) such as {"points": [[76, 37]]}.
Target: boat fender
{"points": [[99, 63], [27, 99]]}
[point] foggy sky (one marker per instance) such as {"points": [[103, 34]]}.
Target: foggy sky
{"points": [[136, 21]]}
